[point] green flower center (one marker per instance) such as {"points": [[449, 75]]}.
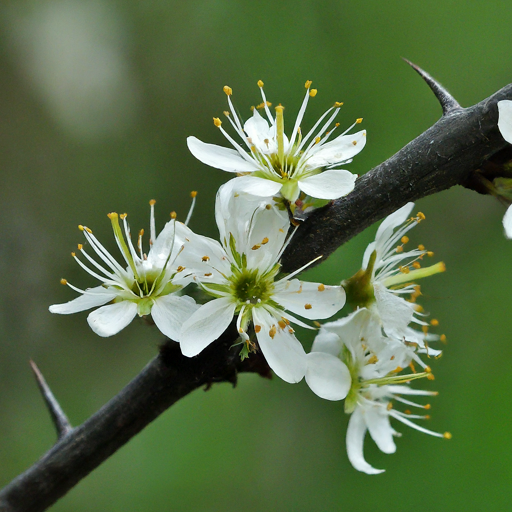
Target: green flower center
{"points": [[248, 286]]}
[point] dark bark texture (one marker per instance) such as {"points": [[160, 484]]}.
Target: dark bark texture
{"points": [[449, 153]]}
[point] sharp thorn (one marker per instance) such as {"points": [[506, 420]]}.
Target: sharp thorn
{"points": [[447, 101], [59, 419]]}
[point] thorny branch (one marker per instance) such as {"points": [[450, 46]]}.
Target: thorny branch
{"points": [[454, 151]]}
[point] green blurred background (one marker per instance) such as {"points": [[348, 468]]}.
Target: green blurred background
{"points": [[96, 100]]}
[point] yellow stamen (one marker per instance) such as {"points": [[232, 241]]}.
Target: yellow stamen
{"points": [[399, 249], [404, 239], [272, 331], [80, 247], [321, 287], [193, 194], [217, 122], [308, 84], [421, 216], [421, 247], [359, 121], [281, 324], [257, 328], [416, 264], [264, 241], [434, 322], [173, 215], [338, 104], [205, 258], [152, 202], [308, 306], [227, 90], [260, 84], [447, 435], [63, 281], [313, 92]]}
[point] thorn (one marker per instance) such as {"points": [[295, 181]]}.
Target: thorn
{"points": [[59, 419], [447, 101]]}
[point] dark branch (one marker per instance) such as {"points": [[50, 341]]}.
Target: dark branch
{"points": [[59, 419], [445, 155]]}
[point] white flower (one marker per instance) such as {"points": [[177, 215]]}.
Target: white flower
{"points": [[374, 366], [505, 126], [385, 278], [148, 285], [272, 163], [241, 274]]}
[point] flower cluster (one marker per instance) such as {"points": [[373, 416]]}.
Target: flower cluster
{"points": [[238, 278]]}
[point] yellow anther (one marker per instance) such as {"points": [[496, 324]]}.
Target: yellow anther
{"points": [[208, 274], [416, 264], [123, 216], [307, 306], [80, 247], [430, 376], [424, 328], [318, 324], [430, 254], [308, 84], [391, 358], [427, 416], [359, 120], [439, 355], [313, 92], [404, 239], [443, 338], [447, 435], [421, 247], [290, 330], [404, 270], [399, 249], [419, 308], [434, 322], [205, 258], [337, 124], [412, 367], [407, 411], [260, 83], [193, 194], [417, 289], [226, 113], [428, 406], [80, 227], [240, 330], [63, 281], [317, 140], [255, 247], [73, 254], [272, 331], [217, 122], [282, 324], [264, 241], [428, 369], [180, 269], [285, 320], [227, 90], [374, 359], [257, 328], [173, 215], [389, 406], [398, 369], [321, 287], [354, 142], [338, 104], [421, 216], [88, 230], [152, 202]]}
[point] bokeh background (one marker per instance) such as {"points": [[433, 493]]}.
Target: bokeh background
{"points": [[96, 101]]}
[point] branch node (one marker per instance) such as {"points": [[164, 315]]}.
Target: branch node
{"points": [[59, 419], [448, 103]]}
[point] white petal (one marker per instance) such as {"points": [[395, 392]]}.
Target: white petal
{"points": [[355, 440], [219, 157], [391, 222], [328, 184], [284, 353], [109, 320], [395, 312], [505, 119], [305, 299], [93, 298], [260, 187], [170, 311], [258, 130], [206, 325], [327, 376], [507, 222], [338, 150], [328, 342], [380, 429]]}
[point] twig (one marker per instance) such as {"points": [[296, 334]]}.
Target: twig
{"points": [[445, 155]]}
